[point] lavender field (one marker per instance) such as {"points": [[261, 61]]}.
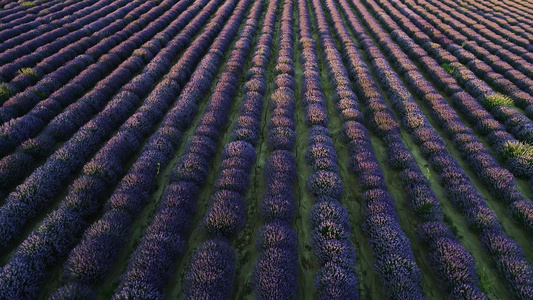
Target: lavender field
{"points": [[266, 149]]}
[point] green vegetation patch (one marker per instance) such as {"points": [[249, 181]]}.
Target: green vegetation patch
{"points": [[516, 149], [449, 69], [5, 92], [28, 71], [27, 4], [39, 93], [497, 99]]}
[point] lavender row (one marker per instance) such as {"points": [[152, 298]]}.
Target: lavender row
{"points": [[27, 126], [513, 25], [505, 252], [513, 67], [28, 200], [22, 78], [61, 51], [493, 29], [21, 15], [483, 31], [479, 9], [63, 227], [499, 181], [513, 15], [516, 123], [37, 11], [393, 257], [336, 278], [161, 243], [17, 47], [12, 11], [48, 57], [482, 69], [450, 260], [501, 140], [97, 21], [18, 165], [239, 154], [216, 256], [505, 14], [276, 269], [17, 24], [211, 271], [129, 198], [79, 69], [98, 175]]}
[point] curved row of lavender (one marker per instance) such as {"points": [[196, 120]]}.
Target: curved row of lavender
{"points": [[93, 257], [276, 269], [498, 180], [516, 123], [450, 260], [94, 21], [27, 70], [502, 60], [336, 278], [513, 21], [57, 118], [23, 43], [508, 15], [16, 13], [165, 237], [494, 32], [39, 189], [61, 228], [393, 257], [38, 14], [75, 77], [505, 252]]}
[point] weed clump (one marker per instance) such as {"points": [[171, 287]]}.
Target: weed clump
{"points": [[496, 99], [28, 71], [5, 92], [513, 149], [27, 4]]}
